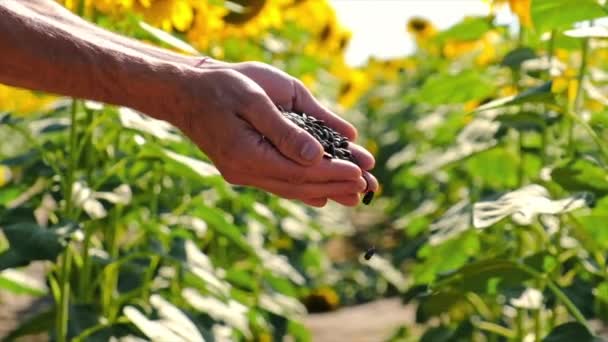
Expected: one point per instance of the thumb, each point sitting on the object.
(292, 141)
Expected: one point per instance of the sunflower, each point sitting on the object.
(354, 83)
(5, 175)
(22, 101)
(167, 14)
(253, 18)
(484, 48)
(311, 16)
(322, 299)
(330, 41)
(421, 28)
(389, 69)
(113, 7)
(207, 25)
(566, 84)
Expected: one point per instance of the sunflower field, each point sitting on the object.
(491, 146)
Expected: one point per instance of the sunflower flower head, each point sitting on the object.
(421, 28)
(5, 175)
(168, 15)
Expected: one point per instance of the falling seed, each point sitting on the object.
(370, 253)
(367, 198)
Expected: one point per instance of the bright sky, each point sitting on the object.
(379, 26)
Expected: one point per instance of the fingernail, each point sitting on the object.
(309, 151)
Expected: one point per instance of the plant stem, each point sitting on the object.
(64, 296)
(495, 329)
(69, 179)
(581, 75)
(85, 272)
(538, 324)
(520, 322)
(575, 105)
(551, 47)
(63, 303)
(522, 158)
(574, 311)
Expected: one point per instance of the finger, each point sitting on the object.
(316, 202)
(257, 156)
(365, 160)
(349, 200)
(304, 102)
(292, 141)
(372, 182)
(304, 191)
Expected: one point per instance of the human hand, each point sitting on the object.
(230, 117)
(291, 94)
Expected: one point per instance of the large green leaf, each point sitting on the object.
(468, 29)
(496, 168)
(20, 284)
(516, 57)
(559, 14)
(485, 276)
(459, 88)
(29, 242)
(540, 94)
(439, 303)
(448, 256)
(218, 223)
(581, 175)
(568, 332)
(594, 224)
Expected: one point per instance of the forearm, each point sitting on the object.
(39, 53)
(58, 13)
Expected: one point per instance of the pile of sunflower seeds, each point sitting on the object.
(334, 144)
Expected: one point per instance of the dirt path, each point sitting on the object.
(371, 322)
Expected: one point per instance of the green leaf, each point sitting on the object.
(39, 323)
(440, 303)
(298, 331)
(26, 158)
(559, 14)
(540, 94)
(516, 57)
(218, 223)
(581, 174)
(496, 168)
(568, 332)
(29, 242)
(9, 193)
(542, 262)
(471, 28)
(523, 121)
(485, 276)
(593, 225)
(443, 89)
(445, 257)
(17, 286)
(601, 292)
